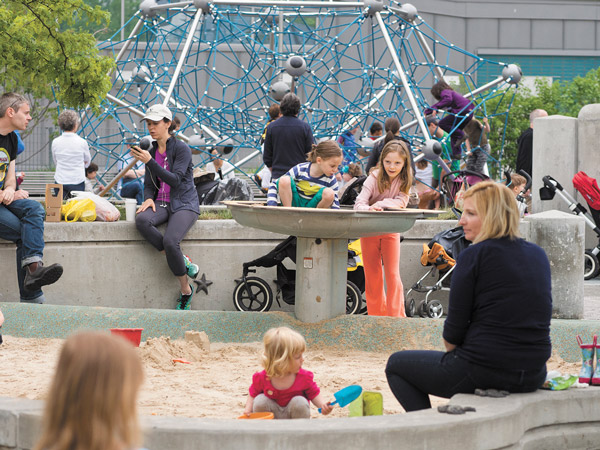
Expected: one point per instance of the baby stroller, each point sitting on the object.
(454, 184)
(588, 188)
(440, 254)
(255, 294)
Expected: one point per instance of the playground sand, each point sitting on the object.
(215, 382)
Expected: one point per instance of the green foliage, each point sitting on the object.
(113, 8)
(564, 98)
(48, 53)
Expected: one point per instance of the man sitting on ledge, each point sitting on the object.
(21, 219)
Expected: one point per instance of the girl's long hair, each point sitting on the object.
(383, 180)
(280, 346)
(92, 400)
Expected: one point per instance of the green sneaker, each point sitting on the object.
(184, 302)
(192, 269)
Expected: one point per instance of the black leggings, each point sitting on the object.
(178, 224)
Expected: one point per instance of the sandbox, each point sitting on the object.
(341, 351)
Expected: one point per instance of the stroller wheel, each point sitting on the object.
(409, 306)
(353, 298)
(257, 297)
(435, 310)
(591, 267)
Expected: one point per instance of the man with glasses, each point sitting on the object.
(21, 219)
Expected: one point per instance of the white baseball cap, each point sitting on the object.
(158, 112)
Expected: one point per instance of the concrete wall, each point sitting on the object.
(534, 27)
(540, 420)
(109, 264)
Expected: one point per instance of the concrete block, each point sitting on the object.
(555, 154)
(588, 157)
(562, 236)
(12, 418)
(30, 426)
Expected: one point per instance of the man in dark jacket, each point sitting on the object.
(525, 143)
(288, 139)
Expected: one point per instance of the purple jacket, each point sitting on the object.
(453, 102)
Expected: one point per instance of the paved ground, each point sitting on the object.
(591, 306)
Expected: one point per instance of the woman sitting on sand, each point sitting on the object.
(497, 333)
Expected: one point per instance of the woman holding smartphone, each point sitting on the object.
(169, 197)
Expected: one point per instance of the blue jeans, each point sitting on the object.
(22, 222)
(413, 375)
(133, 189)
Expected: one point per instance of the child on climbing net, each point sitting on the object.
(460, 113)
(284, 387)
(310, 184)
(386, 186)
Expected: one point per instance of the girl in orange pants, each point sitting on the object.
(376, 249)
(387, 186)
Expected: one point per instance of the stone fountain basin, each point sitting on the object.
(325, 223)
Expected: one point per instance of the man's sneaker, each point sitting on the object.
(192, 269)
(184, 302)
(41, 276)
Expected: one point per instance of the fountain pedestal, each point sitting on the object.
(322, 247)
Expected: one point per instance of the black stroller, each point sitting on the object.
(588, 188)
(255, 294)
(440, 254)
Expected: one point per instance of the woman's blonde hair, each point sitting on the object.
(92, 400)
(324, 150)
(383, 179)
(280, 346)
(497, 209)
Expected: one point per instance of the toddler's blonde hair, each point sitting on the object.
(280, 346)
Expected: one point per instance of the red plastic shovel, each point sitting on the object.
(346, 395)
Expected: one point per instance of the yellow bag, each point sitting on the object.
(79, 209)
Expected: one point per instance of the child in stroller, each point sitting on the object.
(588, 188)
(440, 254)
(254, 294)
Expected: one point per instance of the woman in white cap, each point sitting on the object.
(169, 197)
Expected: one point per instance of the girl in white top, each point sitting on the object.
(71, 154)
(386, 187)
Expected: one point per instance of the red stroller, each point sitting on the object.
(588, 188)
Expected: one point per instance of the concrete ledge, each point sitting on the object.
(540, 420)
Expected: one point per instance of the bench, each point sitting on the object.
(35, 182)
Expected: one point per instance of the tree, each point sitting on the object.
(113, 7)
(560, 97)
(48, 54)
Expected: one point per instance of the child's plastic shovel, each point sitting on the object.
(347, 395)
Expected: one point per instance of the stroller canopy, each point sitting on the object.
(588, 188)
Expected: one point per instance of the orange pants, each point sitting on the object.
(375, 250)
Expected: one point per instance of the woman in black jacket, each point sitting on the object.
(169, 197)
(497, 333)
